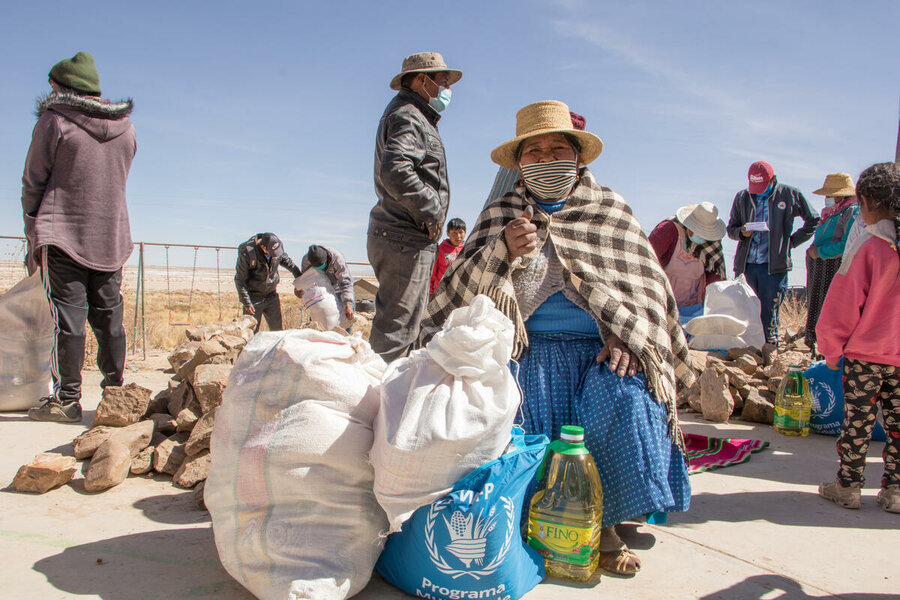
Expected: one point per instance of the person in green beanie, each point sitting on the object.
(76, 226)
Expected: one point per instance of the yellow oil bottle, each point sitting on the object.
(565, 516)
(793, 404)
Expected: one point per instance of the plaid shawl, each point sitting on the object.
(608, 259)
(710, 253)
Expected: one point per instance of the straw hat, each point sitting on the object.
(424, 62)
(549, 116)
(703, 219)
(837, 185)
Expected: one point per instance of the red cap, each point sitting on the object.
(759, 175)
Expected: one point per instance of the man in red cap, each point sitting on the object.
(762, 222)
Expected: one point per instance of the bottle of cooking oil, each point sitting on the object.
(793, 404)
(566, 513)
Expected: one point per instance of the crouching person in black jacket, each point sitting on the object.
(256, 278)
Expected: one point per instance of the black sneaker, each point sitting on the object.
(53, 410)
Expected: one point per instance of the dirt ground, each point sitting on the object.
(754, 531)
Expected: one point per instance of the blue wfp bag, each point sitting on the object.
(469, 543)
(827, 388)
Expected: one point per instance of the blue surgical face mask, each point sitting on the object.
(829, 202)
(440, 102)
(697, 239)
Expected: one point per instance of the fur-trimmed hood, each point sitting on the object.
(103, 119)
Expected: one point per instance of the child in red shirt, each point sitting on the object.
(447, 251)
(860, 321)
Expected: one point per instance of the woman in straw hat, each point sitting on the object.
(689, 247)
(823, 259)
(597, 334)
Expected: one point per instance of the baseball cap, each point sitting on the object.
(272, 244)
(759, 175)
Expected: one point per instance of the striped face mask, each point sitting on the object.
(550, 180)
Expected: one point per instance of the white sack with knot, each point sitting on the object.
(445, 410)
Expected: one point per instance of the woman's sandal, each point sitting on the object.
(619, 563)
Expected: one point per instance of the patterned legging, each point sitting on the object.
(865, 385)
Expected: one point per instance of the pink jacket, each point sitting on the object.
(861, 316)
(73, 187)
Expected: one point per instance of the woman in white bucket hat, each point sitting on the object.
(689, 247)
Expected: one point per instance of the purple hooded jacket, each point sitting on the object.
(73, 188)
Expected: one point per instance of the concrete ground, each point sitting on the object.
(754, 531)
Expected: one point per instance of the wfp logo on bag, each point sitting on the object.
(464, 535)
(468, 544)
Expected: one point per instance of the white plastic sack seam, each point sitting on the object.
(319, 299)
(737, 299)
(290, 486)
(445, 410)
(26, 338)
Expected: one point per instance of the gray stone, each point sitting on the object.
(184, 353)
(164, 423)
(209, 384)
(735, 353)
(209, 352)
(45, 472)
(193, 470)
(120, 406)
(179, 398)
(737, 398)
(109, 466)
(143, 462)
(758, 409)
(698, 359)
(187, 418)
(769, 351)
(715, 399)
(135, 437)
(199, 500)
(201, 433)
(784, 360)
(168, 456)
(160, 402)
(772, 384)
(88, 442)
(736, 376)
(747, 363)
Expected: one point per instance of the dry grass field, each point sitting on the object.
(176, 299)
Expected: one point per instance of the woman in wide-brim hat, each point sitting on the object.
(597, 334)
(689, 248)
(823, 258)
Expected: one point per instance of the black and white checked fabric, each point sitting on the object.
(608, 259)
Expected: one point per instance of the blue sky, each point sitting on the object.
(262, 116)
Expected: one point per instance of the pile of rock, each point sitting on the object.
(744, 382)
(133, 432)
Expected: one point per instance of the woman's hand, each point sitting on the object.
(833, 367)
(813, 251)
(621, 360)
(520, 235)
(348, 311)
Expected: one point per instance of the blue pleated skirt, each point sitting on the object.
(642, 471)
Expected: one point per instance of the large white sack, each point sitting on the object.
(319, 299)
(26, 337)
(445, 410)
(737, 298)
(290, 486)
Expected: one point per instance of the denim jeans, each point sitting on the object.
(770, 290)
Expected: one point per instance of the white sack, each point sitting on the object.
(26, 338)
(716, 324)
(737, 299)
(445, 410)
(713, 341)
(319, 299)
(290, 486)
